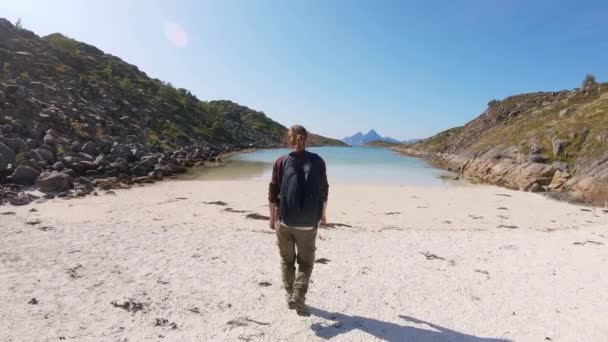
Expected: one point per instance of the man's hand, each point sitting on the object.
(323, 221)
(273, 215)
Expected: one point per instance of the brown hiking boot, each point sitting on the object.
(291, 303)
(297, 301)
(302, 309)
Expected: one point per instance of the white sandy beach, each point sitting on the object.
(461, 263)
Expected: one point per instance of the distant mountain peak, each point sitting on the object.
(359, 138)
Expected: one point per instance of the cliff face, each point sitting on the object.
(554, 142)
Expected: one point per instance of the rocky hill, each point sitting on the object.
(69, 110)
(553, 142)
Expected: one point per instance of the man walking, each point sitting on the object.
(297, 196)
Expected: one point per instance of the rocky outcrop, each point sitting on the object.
(72, 116)
(555, 143)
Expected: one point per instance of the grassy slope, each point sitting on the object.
(534, 119)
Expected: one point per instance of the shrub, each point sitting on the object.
(20, 158)
(19, 24)
(64, 44)
(107, 71)
(492, 102)
(589, 80)
(125, 84)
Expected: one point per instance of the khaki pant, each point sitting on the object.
(296, 245)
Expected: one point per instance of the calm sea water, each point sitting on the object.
(363, 165)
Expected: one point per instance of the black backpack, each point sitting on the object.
(300, 198)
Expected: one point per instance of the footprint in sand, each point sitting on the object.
(392, 213)
(220, 203)
(230, 210)
(588, 241)
(504, 226)
(322, 261)
(486, 273)
(130, 306)
(73, 272)
(474, 217)
(265, 283)
(431, 256)
(502, 208)
(162, 322)
(256, 216)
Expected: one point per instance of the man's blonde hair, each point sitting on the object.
(297, 136)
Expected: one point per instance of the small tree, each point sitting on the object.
(589, 80)
(18, 24)
(492, 102)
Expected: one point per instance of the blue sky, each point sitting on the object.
(406, 68)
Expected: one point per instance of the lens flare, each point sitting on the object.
(176, 34)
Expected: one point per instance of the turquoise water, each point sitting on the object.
(363, 165)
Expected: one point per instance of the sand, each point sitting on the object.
(161, 262)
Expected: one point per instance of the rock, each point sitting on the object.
(536, 188)
(76, 146)
(558, 180)
(121, 151)
(21, 199)
(536, 149)
(562, 166)
(3, 163)
(535, 158)
(25, 175)
(102, 160)
(7, 152)
(58, 166)
(140, 171)
(558, 146)
(45, 154)
(17, 145)
(90, 148)
(83, 184)
(165, 170)
(49, 139)
(70, 172)
(55, 182)
(149, 161)
(121, 166)
(76, 157)
(143, 179)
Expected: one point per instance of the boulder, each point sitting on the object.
(3, 163)
(58, 166)
(76, 146)
(90, 148)
(536, 188)
(7, 153)
(25, 175)
(558, 146)
(121, 151)
(45, 154)
(76, 157)
(537, 158)
(17, 145)
(55, 182)
(22, 199)
(49, 139)
(140, 170)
